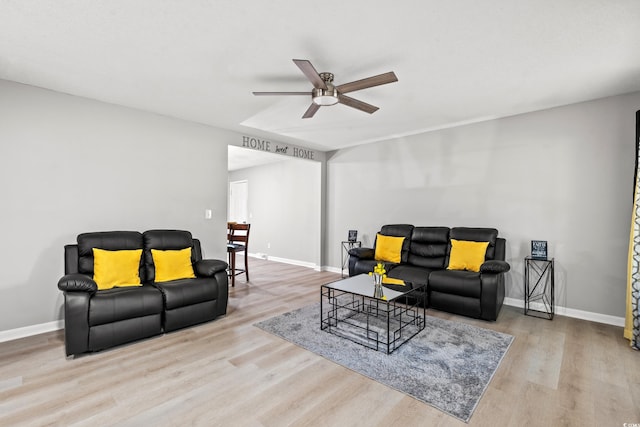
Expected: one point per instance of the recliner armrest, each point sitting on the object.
(362, 253)
(495, 266)
(209, 267)
(77, 283)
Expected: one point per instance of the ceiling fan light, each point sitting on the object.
(325, 100)
(324, 97)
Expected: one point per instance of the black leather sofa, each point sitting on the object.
(99, 319)
(424, 259)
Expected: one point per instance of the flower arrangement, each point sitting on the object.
(379, 269)
(378, 273)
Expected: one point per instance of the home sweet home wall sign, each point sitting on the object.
(279, 148)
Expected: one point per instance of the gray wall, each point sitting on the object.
(70, 165)
(285, 209)
(564, 175)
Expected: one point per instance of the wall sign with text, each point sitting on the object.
(280, 148)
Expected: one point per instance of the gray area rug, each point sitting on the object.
(448, 365)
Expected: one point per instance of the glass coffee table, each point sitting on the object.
(349, 309)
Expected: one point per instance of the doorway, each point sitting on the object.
(285, 195)
(238, 201)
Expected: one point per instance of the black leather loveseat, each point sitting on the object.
(424, 258)
(96, 319)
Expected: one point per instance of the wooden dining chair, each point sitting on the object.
(237, 241)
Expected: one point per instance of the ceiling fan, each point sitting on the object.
(324, 92)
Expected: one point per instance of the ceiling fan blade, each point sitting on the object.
(381, 79)
(358, 105)
(313, 108)
(281, 93)
(311, 73)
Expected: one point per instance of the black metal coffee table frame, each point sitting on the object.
(403, 320)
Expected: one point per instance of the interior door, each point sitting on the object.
(238, 201)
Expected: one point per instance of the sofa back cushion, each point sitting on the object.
(165, 240)
(399, 230)
(107, 240)
(429, 247)
(475, 235)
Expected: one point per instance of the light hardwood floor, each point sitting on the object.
(230, 373)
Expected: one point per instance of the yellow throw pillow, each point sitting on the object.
(388, 248)
(116, 268)
(466, 255)
(172, 265)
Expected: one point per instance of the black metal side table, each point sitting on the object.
(346, 246)
(539, 284)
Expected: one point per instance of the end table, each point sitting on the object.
(539, 283)
(346, 246)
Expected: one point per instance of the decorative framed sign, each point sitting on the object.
(539, 249)
(353, 235)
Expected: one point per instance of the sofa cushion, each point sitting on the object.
(116, 268)
(388, 248)
(363, 266)
(410, 273)
(108, 240)
(164, 240)
(183, 292)
(466, 255)
(172, 264)
(117, 304)
(167, 239)
(456, 282)
(429, 247)
(477, 235)
(399, 230)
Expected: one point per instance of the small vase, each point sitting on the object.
(377, 286)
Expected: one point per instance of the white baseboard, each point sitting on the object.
(570, 312)
(27, 331)
(285, 260)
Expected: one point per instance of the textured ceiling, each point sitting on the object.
(456, 61)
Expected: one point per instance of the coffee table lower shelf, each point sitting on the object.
(368, 321)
